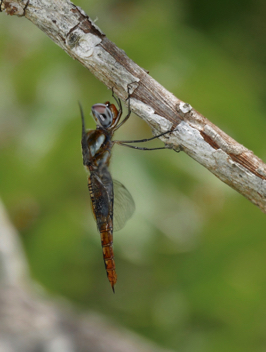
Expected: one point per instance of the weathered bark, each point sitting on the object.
(69, 27)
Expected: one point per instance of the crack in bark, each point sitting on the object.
(86, 24)
(209, 140)
(25, 8)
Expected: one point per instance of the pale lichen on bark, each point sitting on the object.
(69, 27)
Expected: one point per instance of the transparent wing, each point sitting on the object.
(124, 205)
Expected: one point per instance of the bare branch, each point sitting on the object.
(69, 27)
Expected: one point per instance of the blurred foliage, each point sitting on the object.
(191, 262)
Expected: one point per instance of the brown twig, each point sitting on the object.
(69, 27)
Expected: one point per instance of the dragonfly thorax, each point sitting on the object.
(95, 143)
(99, 148)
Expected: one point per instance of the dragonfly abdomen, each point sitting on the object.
(108, 253)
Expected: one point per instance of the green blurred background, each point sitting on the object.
(191, 262)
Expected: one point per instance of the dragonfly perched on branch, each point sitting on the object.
(112, 204)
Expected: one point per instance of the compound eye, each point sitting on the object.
(102, 115)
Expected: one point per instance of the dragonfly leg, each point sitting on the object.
(124, 143)
(128, 113)
(118, 101)
(177, 149)
(140, 148)
(146, 139)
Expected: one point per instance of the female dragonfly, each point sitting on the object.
(112, 204)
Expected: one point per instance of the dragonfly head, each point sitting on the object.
(102, 115)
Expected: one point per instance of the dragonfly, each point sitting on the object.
(112, 204)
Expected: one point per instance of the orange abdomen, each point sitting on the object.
(108, 253)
